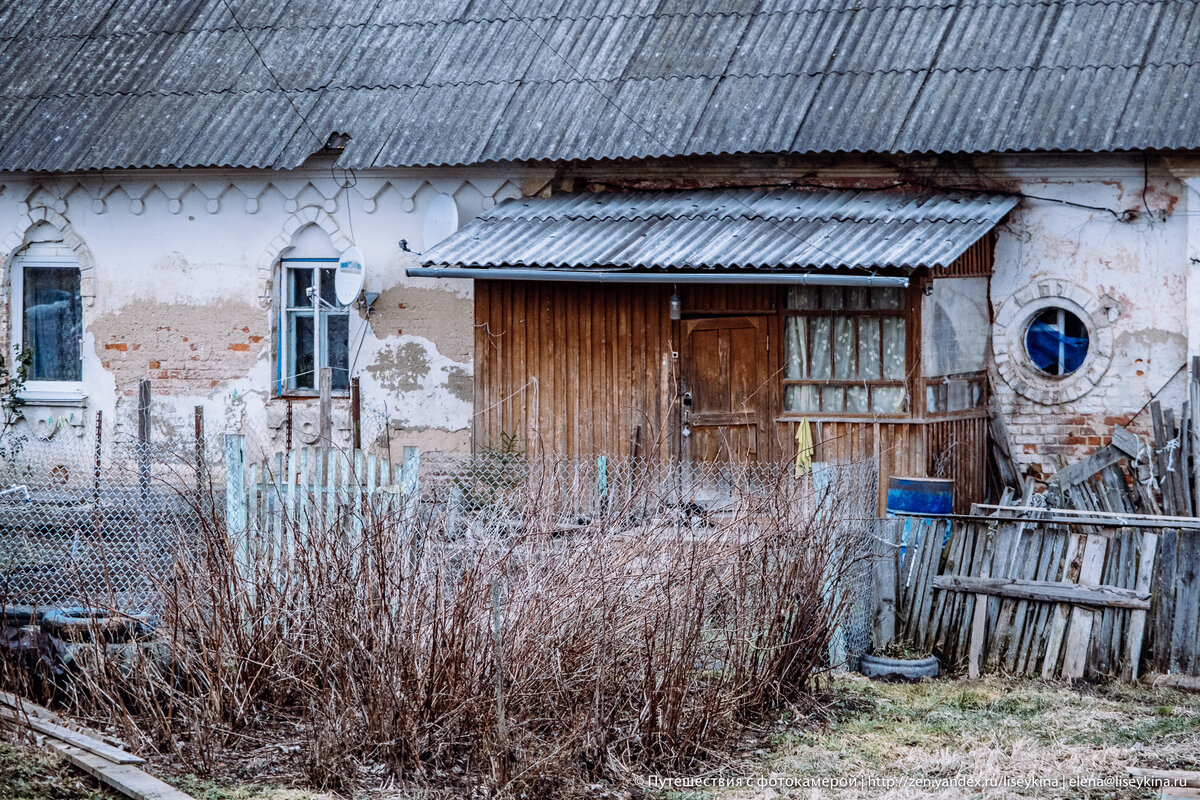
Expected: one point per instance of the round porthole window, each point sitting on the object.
(1056, 341)
(1052, 341)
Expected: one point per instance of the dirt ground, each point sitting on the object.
(29, 773)
(943, 739)
(955, 738)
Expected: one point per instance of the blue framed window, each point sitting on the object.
(1056, 341)
(301, 279)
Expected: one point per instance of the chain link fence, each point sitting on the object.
(85, 522)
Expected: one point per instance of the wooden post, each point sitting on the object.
(235, 484)
(412, 466)
(979, 612)
(1137, 619)
(885, 571)
(326, 409)
(1079, 635)
(201, 465)
(355, 417)
(144, 437)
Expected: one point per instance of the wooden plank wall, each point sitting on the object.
(579, 369)
(905, 448)
(572, 368)
(977, 261)
(957, 448)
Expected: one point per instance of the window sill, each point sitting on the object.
(302, 395)
(62, 399)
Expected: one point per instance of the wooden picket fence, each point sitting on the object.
(1048, 593)
(273, 499)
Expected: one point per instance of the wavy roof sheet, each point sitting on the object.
(87, 84)
(734, 229)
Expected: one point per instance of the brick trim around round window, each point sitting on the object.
(1008, 342)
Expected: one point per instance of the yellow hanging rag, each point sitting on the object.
(804, 448)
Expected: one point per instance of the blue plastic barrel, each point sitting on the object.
(931, 497)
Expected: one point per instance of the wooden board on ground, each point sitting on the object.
(110, 765)
(126, 779)
(87, 743)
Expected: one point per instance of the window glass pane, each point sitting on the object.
(802, 297)
(337, 349)
(801, 398)
(327, 292)
(889, 297)
(300, 281)
(932, 400)
(856, 297)
(52, 322)
(887, 399)
(1056, 341)
(832, 398)
(956, 325)
(796, 348)
(868, 348)
(831, 298)
(300, 352)
(893, 348)
(818, 339)
(843, 348)
(856, 399)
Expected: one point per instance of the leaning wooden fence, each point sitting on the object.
(1037, 592)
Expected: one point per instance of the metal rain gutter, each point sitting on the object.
(597, 276)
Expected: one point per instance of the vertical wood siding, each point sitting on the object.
(580, 369)
(572, 368)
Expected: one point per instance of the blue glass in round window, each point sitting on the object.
(1056, 341)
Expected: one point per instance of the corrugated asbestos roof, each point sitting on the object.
(88, 84)
(737, 228)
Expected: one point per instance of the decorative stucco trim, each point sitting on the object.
(309, 215)
(39, 215)
(1008, 344)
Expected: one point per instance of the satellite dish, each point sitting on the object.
(351, 272)
(441, 219)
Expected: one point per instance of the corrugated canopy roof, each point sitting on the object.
(137, 83)
(733, 229)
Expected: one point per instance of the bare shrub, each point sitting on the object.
(546, 634)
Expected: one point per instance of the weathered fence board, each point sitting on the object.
(274, 503)
(1031, 592)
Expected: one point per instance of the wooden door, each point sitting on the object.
(725, 393)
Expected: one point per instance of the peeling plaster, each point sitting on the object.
(401, 368)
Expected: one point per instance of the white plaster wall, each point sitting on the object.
(179, 270)
(1133, 264)
(177, 254)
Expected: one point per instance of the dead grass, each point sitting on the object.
(994, 738)
(30, 774)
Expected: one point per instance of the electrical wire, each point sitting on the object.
(271, 72)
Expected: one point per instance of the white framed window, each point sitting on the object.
(301, 278)
(47, 318)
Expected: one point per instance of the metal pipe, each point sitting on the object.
(598, 276)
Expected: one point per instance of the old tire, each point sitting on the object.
(898, 669)
(85, 624)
